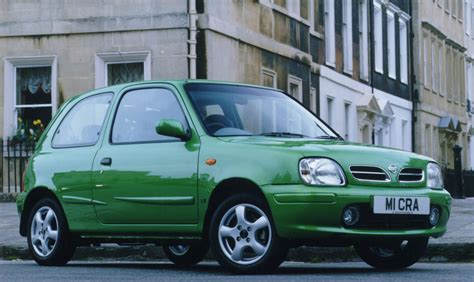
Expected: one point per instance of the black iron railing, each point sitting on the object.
(14, 161)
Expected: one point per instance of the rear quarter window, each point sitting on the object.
(83, 123)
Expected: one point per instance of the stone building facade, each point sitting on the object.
(348, 61)
(365, 79)
(442, 120)
(469, 44)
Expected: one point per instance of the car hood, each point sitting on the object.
(345, 153)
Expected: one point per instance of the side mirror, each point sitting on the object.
(172, 128)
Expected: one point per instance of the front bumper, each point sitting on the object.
(314, 213)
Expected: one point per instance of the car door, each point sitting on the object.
(74, 144)
(139, 176)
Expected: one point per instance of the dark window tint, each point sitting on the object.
(83, 123)
(139, 112)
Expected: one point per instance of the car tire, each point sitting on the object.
(243, 237)
(393, 255)
(186, 255)
(49, 239)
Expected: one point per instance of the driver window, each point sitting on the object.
(140, 110)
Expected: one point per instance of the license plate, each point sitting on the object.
(401, 205)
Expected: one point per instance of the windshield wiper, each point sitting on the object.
(283, 134)
(328, 137)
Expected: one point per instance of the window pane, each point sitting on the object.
(83, 123)
(33, 85)
(139, 112)
(28, 127)
(123, 73)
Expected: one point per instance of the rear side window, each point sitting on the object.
(83, 123)
(140, 110)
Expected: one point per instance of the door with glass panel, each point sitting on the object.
(140, 176)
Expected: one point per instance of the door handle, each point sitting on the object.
(106, 161)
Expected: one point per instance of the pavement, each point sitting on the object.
(456, 245)
(210, 271)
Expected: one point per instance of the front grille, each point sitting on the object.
(369, 220)
(369, 173)
(411, 175)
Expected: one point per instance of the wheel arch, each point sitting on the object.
(227, 188)
(35, 195)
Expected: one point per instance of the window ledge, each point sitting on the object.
(456, 102)
(291, 15)
(450, 100)
(332, 65)
(349, 72)
(316, 34)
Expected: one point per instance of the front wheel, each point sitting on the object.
(49, 239)
(243, 237)
(396, 254)
(186, 255)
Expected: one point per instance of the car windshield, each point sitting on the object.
(231, 110)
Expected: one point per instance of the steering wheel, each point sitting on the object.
(216, 122)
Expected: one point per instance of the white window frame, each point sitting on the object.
(330, 110)
(392, 68)
(467, 17)
(404, 134)
(347, 119)
(293, 8)
(469, 81)
(378, 37)
(441, 66)
(472, 19)
(329, 33)
(460, 10)
(447, 4)
(434, 65)
(449, 72)
(403, 32)
(313, 99)
(9, 87)
(363, 40)
(454, 9)
(296, 81)
(103, 59)
(347, 35)
(426, 71)
(269, 72)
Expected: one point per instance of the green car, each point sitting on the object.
(243, 170)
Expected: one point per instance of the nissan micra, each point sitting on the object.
(243, 170)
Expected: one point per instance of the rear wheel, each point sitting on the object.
(185, 255)
(49, 239)
(243, 237)
(396, 254)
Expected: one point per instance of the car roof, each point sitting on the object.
(117, 88)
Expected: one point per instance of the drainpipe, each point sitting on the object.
(192, 56)
(414, 95)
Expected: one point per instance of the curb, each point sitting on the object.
(435, 253)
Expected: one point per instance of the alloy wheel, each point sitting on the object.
(179, 250)
(244, 234)
(44, 231)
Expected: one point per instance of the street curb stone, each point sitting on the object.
(435, 253)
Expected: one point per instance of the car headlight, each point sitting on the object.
(321, 171)
(435, 177)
